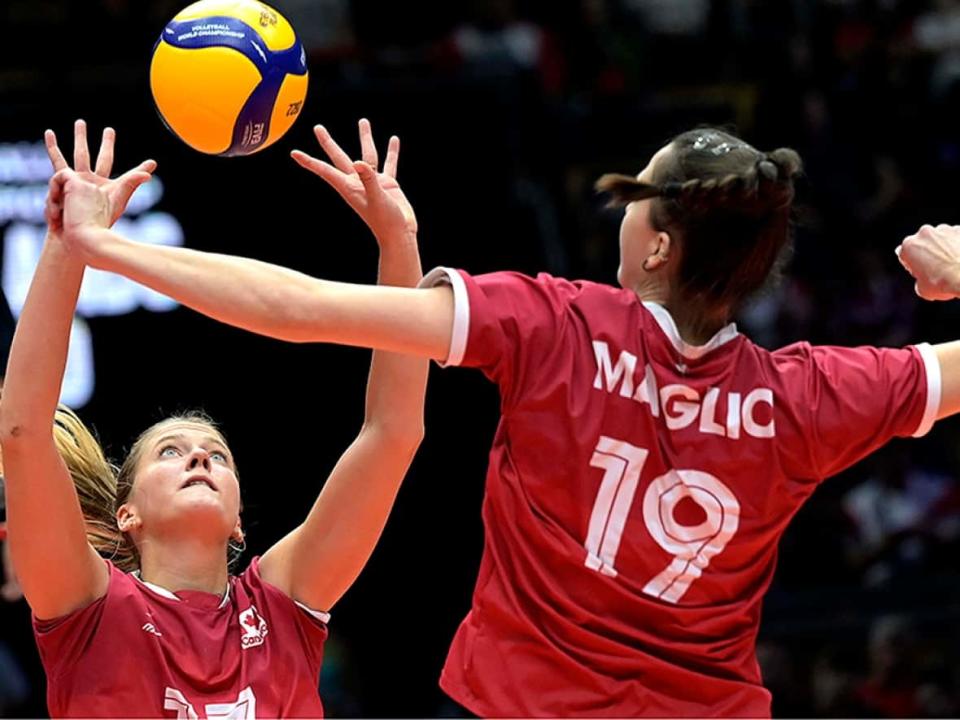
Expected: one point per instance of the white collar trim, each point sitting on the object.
(162, 591)
(692, 352)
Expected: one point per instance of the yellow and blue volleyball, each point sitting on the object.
(228, 77)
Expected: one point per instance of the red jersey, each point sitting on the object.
(637, 489)
(141, 651)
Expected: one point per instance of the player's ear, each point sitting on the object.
(661, 249)
(127, 518)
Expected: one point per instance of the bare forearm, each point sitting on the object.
(397, 383)
(256, 296)
(321, 558)
(38, 355)
(400, 264)
(285, 304)
(58, 569)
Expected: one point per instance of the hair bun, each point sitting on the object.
(788, 163)
(767, 169)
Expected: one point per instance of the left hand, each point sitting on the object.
(117, 192)
(375, 196)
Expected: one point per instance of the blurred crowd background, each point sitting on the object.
(508, 110)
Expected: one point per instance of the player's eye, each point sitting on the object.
(219, 456)
(169, 451)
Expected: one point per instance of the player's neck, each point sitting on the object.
(652, 288)
(694, 325)
(184, 565)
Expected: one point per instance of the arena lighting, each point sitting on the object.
(24, 174)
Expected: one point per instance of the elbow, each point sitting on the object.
(299, 328)
(301, 317)
(13, 430)
(402, 438)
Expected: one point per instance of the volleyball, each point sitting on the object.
(228, 77)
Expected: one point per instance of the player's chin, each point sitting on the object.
(208, 508)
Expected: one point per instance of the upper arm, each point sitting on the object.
(57, 568)
(319, 560)
(857, 399)
(507, 324)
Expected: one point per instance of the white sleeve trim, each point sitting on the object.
(321, 616)
(931, 366)
(461, 311)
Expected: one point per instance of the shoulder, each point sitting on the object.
(794, 353)
(250, 588)
(252, 584)
(123, 595)
(509, 285)
(823, 356)
(581, 288)
(541, 282)
(558, 293)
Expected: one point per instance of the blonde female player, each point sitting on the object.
(648, 457)
(180, 636)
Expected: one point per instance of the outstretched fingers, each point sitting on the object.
(105, 154)
(81, 151)
(368, 176)
(393, 156)
(338, 180)
(337, 156)
(57, 159)
(368, 149)
(318, 167)
(127, 184)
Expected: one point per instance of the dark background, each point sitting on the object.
(508, 110)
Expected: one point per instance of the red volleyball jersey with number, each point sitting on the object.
(636, 492)
(142, 651)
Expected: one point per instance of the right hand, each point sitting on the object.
(375, 196)
(932, 257)
(117, 192)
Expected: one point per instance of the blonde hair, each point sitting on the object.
(95, 480)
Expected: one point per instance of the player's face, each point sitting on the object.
(186, 481)
(638, 237)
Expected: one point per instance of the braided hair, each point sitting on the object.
(729, 207)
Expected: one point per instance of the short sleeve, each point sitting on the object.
(311, 624)
(859, 398)
(63, 641)
(505, 323)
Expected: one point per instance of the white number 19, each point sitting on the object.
(692, 546)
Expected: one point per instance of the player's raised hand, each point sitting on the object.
(374, 194)
(932, 257)
(118, 190)
(88, 208)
